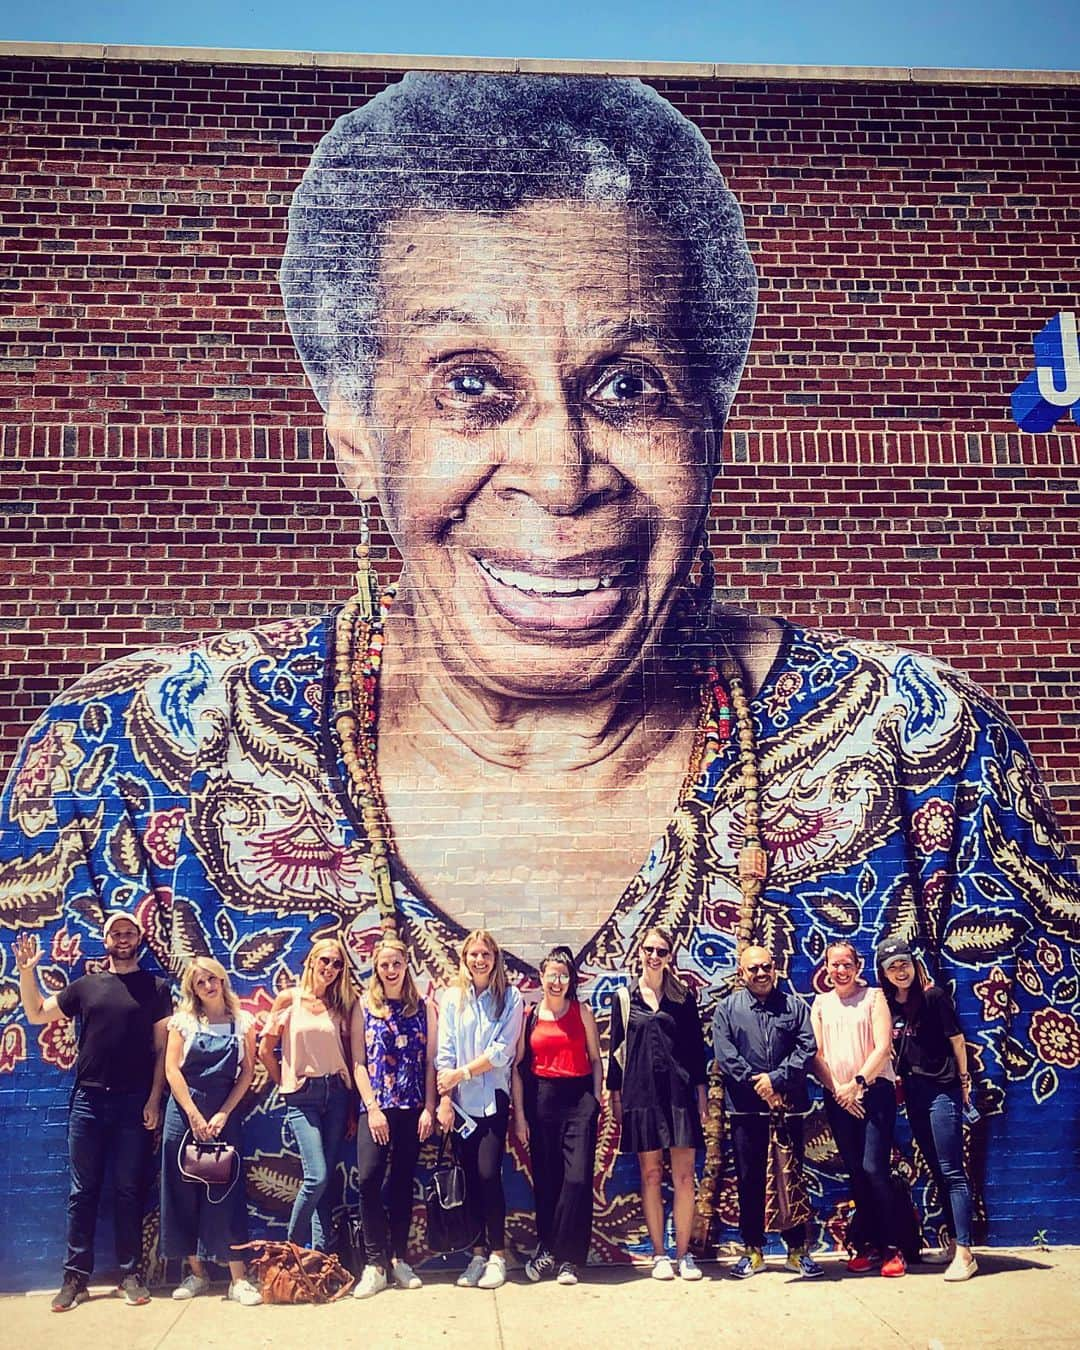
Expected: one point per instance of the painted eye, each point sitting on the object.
(628, 389)
(475, 393)
(468, 383)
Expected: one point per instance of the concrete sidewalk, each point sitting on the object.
(1019, 1298)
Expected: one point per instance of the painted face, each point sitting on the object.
(758, 971)
(480, 961)
(535, 439)
(655, 953)
(555, 979)
(900, 972)
(842, 968)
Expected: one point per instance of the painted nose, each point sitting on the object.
(551, 458)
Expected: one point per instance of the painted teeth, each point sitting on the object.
(534, 585)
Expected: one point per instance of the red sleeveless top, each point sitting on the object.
(559, 1049)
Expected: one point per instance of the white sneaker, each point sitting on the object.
(404, 1275)
(689, 1268)
(494, 1276)
(244, 1293)
(961, 1269)
(192, 1287)
(567, 1274)
(470, 1276)
(662, 1268)
(372, 1281)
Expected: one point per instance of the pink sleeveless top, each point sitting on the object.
(310, 1044)
(847, 1032)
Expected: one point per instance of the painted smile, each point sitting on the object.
(571, 595)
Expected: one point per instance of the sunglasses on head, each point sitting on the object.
(657, 951)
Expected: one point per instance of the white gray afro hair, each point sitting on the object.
(492, 143)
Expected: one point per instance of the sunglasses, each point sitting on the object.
(657, 951)
(762, 969)
(334, 962)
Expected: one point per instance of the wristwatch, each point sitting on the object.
(466, 1073)
(861, 1081)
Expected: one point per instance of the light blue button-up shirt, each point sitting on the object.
(468, 1029)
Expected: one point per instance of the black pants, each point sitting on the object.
(750, 1147)
(386, 1226)
(482, 1157)
(562, 1143)
(865, 1148)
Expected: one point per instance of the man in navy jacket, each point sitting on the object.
(764, 1046)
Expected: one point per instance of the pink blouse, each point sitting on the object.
(847, 1032)
(310, 1044)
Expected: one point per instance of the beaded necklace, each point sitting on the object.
(358, 647)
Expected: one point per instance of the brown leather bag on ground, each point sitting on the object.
(287, 1273)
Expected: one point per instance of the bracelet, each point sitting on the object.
(965, 1078)
(466, 1073)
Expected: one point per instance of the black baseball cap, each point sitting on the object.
(891, 949)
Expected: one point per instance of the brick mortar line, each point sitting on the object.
(712, 70)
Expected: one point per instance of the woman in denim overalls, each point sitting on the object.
(209, 1065)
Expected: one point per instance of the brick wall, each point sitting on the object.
(165, 471)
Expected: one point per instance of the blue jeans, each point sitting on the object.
(865, 1148)
(102, 1125)
(935, 1111)
(317, 1115)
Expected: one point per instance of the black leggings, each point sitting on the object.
(382, 1240)
(481, 1157)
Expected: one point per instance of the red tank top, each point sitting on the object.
(559, 1049)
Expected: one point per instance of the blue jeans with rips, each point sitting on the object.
(317, 1115)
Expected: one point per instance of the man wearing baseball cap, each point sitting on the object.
(122, 1014)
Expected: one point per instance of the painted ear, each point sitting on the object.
(354, 450)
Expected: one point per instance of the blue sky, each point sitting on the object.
(1024, 34)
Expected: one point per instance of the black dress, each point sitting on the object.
(664, 1066)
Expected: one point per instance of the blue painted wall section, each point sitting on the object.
(1053, 387)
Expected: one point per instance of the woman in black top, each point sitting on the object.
(656, 1076)
(931, 1059)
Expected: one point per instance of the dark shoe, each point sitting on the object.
(72, 1292)
(136, 1294)
(540, 1266)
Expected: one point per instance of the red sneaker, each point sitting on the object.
(864, 1261)
(895, 1266)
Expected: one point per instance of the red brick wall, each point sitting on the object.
(164, 469)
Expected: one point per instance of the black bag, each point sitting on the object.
(906, 1221)
(349, 1242)
(450, 1227)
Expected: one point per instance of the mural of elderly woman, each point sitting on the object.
(525, 303)
(209, 1064)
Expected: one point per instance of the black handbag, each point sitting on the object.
(349, 1242)
(450, 1227)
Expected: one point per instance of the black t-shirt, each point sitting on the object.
(116, 1027)
(921, 1043)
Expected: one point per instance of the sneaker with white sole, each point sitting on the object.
(801, 1263)
(136, 1294)
(662, 1268)
(192, 1287)
(244, 1293)
(494, 1276)
(567, 1274)
(470, 1276)
(752, 1262)
(961, 1269)
(689, 1268)
(404, 1275)
(371, 1282)
(540, 1265)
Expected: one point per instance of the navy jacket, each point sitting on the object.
(773, 1036)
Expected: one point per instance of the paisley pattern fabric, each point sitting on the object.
(200, 785)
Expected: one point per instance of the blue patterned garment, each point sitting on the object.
(201, 785)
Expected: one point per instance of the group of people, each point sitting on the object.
(463, 1066)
